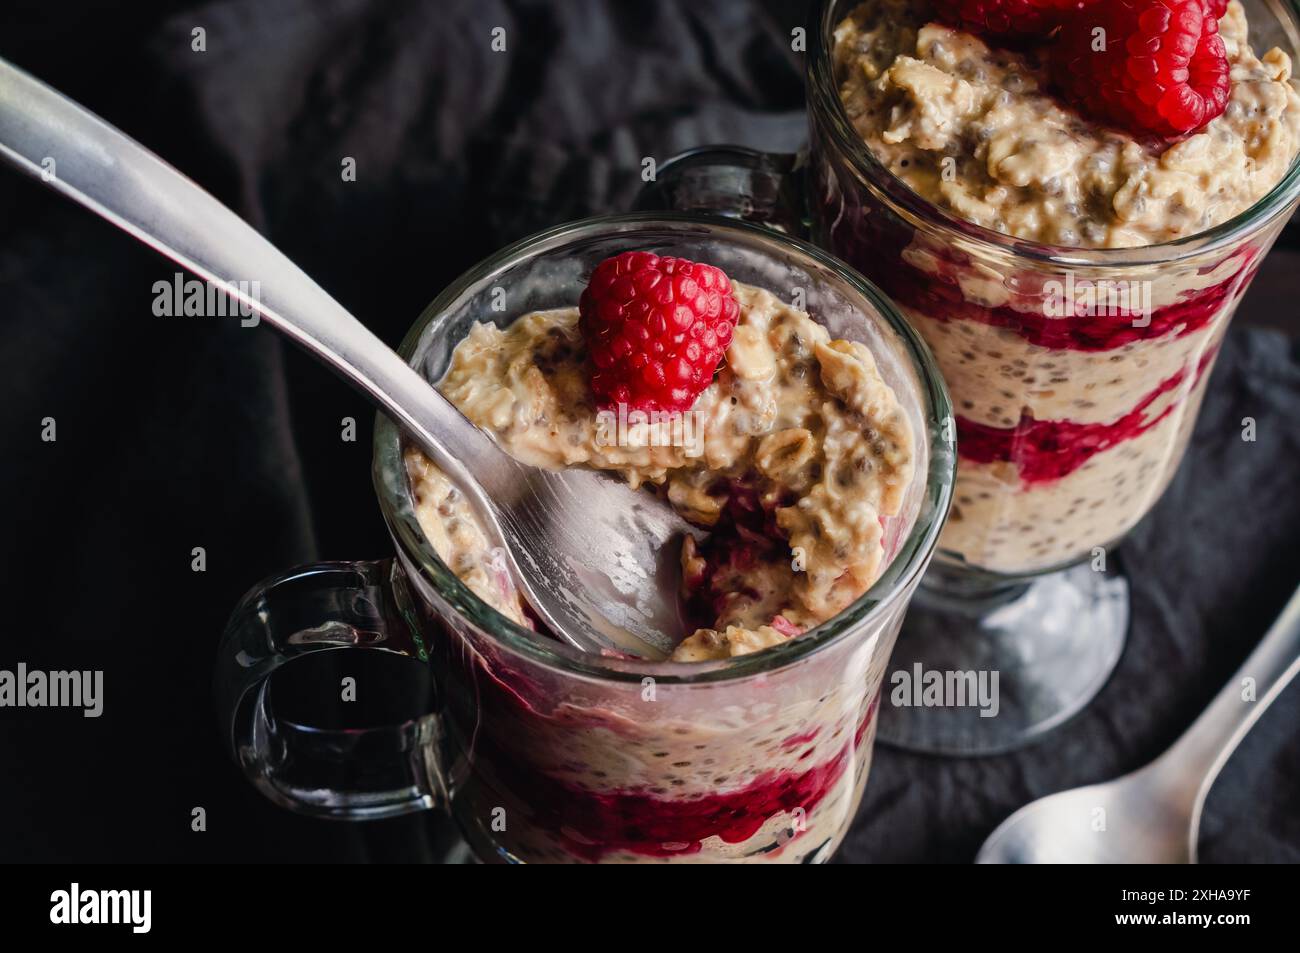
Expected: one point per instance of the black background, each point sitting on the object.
(175, 432)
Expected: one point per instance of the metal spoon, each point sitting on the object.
(1153, 815)
(584, 548)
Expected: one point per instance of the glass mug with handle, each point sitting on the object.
(540, 752)
(1070, 423)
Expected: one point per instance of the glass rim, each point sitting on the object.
(897, 579)
(825, 107)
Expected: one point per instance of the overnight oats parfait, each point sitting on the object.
(1074, 137)
(1067, 199)
(793, 457)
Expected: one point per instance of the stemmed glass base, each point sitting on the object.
(985, 665)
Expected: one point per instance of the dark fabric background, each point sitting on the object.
(175, 433)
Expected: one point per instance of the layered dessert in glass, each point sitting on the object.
(797, 463)
(1076, 370)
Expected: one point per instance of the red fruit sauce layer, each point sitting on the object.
(1045, 450)
(595, 823)
(662, 827)
(940, 297)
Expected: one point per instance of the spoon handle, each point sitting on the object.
(48, 136)
(1197, 757)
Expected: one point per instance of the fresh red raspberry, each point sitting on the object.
(656, 329)
(1163, 69)
(1217, 7)
(1007, 18)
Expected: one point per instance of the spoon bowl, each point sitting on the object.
(1153, 815)
(1124, 821)
(588, 552)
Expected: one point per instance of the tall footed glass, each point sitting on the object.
(1076, 376)
(542, 753)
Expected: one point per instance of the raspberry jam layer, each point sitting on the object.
(510, 713)
(593, 824)
(1046, 450)
(940, 297)
(880, 245)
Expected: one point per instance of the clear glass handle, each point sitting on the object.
(764, 188)
(346, 774)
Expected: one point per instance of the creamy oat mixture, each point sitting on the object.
(997, 525)
(975, 130)
(803, 422)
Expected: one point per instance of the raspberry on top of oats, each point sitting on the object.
(656, 329)
(804, 453)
